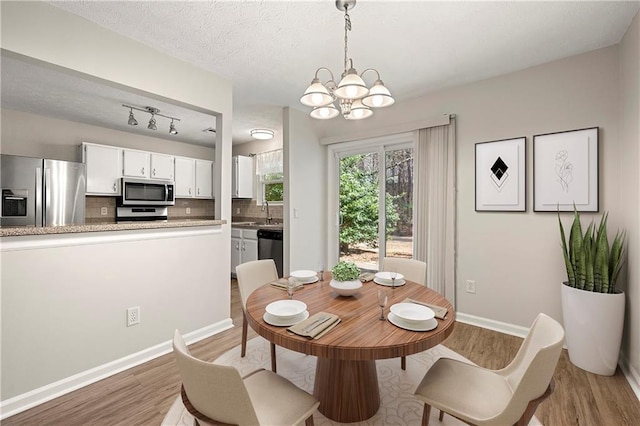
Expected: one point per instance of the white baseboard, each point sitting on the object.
(30, 399)
(502, 327)
(631, 374)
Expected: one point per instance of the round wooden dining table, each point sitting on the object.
(346, 381)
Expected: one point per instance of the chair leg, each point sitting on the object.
(533, 405)
(273, 357)
(309, 421)
(441, 416)
(243, 351)
(425, 415)
(403, 362)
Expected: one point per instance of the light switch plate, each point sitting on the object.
(103, 211)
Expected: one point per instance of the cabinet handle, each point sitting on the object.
(198, 191)
(115, 186)
(189, 191)
(154, 172)
(238, 246)
(142, 171)
(243, 248)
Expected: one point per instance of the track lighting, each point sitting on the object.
(152, 121)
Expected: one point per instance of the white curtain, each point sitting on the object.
(269, 163)
(434, 206)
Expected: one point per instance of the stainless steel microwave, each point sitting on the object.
(147, 192)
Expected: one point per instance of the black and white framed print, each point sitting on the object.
(500, 175)
(565, 171)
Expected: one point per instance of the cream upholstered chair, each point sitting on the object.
(412, 269)
(508, 396)
(216, 393)
(250, 276)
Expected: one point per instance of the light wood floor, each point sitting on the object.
(142, 395)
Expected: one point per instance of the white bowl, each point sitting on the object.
(385, 276)
(412, 312)
(346, 288)
(304, 275)
(286, 309)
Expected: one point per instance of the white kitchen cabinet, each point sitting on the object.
(161, 166)
(135, 163)
(242, 177)
(185, 177)
(244, 246)
(204, 179)
(104, 169)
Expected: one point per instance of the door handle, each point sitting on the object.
(154, 172)
(142, 171)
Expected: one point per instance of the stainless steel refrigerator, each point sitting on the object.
(41, 192)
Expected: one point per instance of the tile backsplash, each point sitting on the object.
(200, 209)
(248, 210)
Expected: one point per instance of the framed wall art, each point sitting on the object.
(565, 171)
(501, 176)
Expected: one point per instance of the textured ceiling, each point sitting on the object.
(271, 49)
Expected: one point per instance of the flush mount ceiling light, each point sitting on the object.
(262, 134)
(354, 98)
(152, 121)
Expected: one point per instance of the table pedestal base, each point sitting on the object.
(347, 390)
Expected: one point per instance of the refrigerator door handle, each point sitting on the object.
(47, 197)
(38, 197)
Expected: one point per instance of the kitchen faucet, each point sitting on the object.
(266, 203)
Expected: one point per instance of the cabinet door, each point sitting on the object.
(249, 250)
(161, 166)
(135, 163)
(104, 169)
(184, 177)
(242, 179)
(204, 179)
(236, 244)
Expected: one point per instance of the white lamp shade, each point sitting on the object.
(378, 96)
(324, 112)
(316, 95)
(262, 134)
(351, 87)
(359, 111)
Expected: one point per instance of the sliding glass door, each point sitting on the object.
(375, 203)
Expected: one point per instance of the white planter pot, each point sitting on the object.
(593, 328)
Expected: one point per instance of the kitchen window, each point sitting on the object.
(270, 177)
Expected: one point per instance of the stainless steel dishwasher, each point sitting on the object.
(270, 246)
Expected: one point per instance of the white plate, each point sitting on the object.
(427, 326)
(304, 275)
(385, 276)
(412, 312)
(286, 309)
(389, 284)
(311, 280)
(279, 322)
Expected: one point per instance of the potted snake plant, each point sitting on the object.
(592, 305)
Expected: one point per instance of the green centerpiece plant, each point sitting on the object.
(345, 271)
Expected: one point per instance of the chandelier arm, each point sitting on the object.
(326, 69)
(370, 69)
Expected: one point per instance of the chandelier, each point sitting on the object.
(352, 95)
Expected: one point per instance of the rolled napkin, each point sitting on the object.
(367, 276)
(316, 326)
(439, 311)
(282, 284)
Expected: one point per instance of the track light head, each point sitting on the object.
(172, 129)
(152, 124)
(132, 120)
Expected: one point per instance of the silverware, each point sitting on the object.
(315, 323)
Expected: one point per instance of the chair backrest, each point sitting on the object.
(530, 372)
(252, 275)
(412, 269)
(217, 391)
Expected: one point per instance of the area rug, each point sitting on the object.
(398, 406)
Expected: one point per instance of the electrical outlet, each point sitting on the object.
(188, 210)
(133, 316)
(471, 286)
(103, 211)
(237, 210)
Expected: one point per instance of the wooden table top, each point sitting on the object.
(361, 335)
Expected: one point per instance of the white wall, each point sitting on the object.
(256, 147)
(61, 139)
(630, 184)
(305, 193)
(516, 257)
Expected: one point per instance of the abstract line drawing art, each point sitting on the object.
(500, 175)
(565, 171)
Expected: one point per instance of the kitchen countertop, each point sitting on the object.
(256, 225)
(32, 230)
